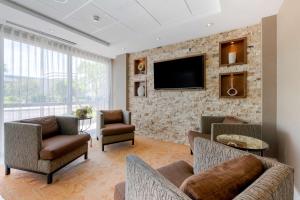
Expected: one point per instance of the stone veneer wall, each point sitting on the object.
(168, 115)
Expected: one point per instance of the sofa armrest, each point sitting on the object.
(68, 125)
(206, 122)
(253, 130)
(127, 117)
(22, 145)
(276, 183)
(143, 182)
(208, 154)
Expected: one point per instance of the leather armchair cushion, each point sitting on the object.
(176, 173)
(112, 116)
(117, 129)
(60, 145)
(49, 125)
(224, 181)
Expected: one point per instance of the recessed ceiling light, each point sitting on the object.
(209, 24)
(61, 1)
(96, 18)
(158, 38)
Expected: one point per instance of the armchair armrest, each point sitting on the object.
(276, 183)
(99, 122)
(143, 182)
(127, 117)
(253, 130)
(208, 154)
(22, 145)
(68, 125)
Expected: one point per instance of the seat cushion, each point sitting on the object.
(49, 125)
(193, 134)
(224, 181)
(176, 173)
(57, 146)
(112, 116)
(117, 129)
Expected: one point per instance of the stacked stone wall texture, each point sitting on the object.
(169, 114)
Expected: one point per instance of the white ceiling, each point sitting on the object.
(134, 25)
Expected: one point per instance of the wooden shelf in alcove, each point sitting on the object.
(141, 62)
(136, 86)
(239, 83)
(237, 45)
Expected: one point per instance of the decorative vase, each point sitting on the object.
(141, 91)
(231, 57)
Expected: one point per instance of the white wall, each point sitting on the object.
(288, 86)
(119, 82)
(269, 76)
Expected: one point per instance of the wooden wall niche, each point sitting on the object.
(137, 85)
(140, 66)
(234, 83)
(237, 45)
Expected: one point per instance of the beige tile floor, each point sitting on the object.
(94, 178)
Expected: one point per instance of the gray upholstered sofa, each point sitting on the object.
(114, 126)
(143, 182)
(43, 145)
(212, 126)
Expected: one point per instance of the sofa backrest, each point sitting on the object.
(49, 125)
(112, 116)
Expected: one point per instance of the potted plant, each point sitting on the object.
(83, 112)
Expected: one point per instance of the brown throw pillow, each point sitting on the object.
(49, 125)
(112, 116)
(224, 181)
(232, 120)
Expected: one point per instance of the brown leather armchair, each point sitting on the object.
(114, 126)
(43, 145)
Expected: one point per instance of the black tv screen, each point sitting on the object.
(188, 73)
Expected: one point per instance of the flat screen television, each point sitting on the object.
(182, 73)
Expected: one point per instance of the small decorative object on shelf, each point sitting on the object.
(232, 91)
(140, 66)
(233, 52)
(233, 85)
(231, 57)
(140, 89)
(84, 112)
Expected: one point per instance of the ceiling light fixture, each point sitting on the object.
(96, 18)
(209, 24)
(61, 1)
(158, 38)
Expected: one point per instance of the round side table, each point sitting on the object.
(243, 142)
(82, 128)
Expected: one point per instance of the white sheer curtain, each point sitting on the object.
(35, 81)
(42, 77)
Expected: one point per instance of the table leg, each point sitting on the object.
(262, 153)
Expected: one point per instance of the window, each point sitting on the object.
(41, 82)
(90, 83)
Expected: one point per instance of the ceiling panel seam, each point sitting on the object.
(148, 12)
(188, 7)
(77, 9)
